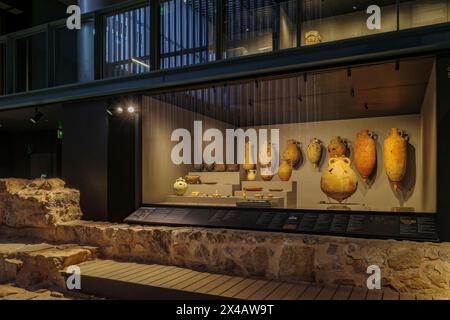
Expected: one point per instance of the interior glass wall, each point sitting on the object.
(359, 138)
(187, 32)
(127, 45)
(257, 26)
(66, 56)
(325, 21)
(420, 13)
(31, 63)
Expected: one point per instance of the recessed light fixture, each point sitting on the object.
(119, 109)
(131, 109)
(37, 117)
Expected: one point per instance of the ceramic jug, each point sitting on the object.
(339, 181)
(251, 174)
(180, 187)
(315, 152)
(365, 154)
(337, 147)
(395, 156)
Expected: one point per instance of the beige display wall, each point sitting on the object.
(159, 120)
(418, 189)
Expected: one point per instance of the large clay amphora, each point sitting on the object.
(395, 156)
(339, 181)
(337, 147)
(315, 152)
(250, 162)
(285, 171)
(292, 153)
(365, 154)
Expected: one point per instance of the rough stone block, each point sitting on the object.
(37, 203)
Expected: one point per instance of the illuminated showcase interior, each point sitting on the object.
(321, 105)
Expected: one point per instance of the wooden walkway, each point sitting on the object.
(124, 280)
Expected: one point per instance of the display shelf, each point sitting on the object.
(224, 178)
(222, 189)
(288, 193)
(286, 186)
(276, 202)
(289, 198)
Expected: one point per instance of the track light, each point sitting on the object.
(109, 111)
(37, 117)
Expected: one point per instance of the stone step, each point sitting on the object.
(32, 264)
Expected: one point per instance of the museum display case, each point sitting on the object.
(368, 131)
(359, 138)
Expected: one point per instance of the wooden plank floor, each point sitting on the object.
(125, 280)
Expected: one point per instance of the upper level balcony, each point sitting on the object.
(138, 37)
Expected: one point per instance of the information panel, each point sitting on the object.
(413, 227)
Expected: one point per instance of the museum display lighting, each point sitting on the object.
(37, 117)
(140, 63)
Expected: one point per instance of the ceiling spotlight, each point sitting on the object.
(37, 117)
(119, 109)
(131, 110)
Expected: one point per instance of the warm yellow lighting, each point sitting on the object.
(140, 62)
